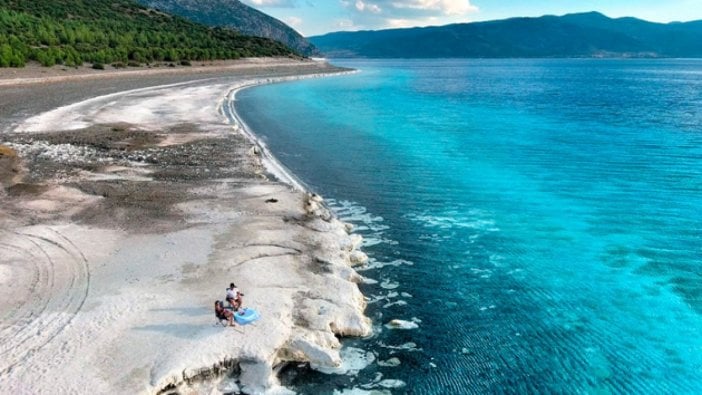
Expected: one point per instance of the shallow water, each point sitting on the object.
(539, 220)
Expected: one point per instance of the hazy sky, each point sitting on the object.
(313, 17)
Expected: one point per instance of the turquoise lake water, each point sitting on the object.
(539, 220)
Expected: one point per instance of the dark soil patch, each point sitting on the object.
(120, 137)
(137, 206)
(142, 206)
(207, 159)
(22, 189)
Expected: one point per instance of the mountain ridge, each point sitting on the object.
(590, 34)
(235, 15)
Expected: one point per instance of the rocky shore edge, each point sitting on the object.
(159, 218)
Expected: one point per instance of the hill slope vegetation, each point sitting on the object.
(72, 32)
(575, 35)
(235, 15)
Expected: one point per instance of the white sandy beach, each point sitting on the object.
(114, 250)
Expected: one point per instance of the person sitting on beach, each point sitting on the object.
(234, 297)
(223, 314)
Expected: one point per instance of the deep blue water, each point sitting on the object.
(541, 220)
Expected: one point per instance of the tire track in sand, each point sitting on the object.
(54, 274)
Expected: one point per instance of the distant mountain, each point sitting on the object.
(235, 15)
(575, 35)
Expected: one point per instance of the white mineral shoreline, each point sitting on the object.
(103, 308)
(271, 163)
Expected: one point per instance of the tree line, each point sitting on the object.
(73, 32)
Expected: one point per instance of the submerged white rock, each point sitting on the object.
(390, 383)
(401, 324)
(353, 360)
(392, 362)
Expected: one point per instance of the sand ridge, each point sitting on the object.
(34, 74)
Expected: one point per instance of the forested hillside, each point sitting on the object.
(236, 15)
(72, 32)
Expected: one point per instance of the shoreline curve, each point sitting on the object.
(185, 222)
(272, 164)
